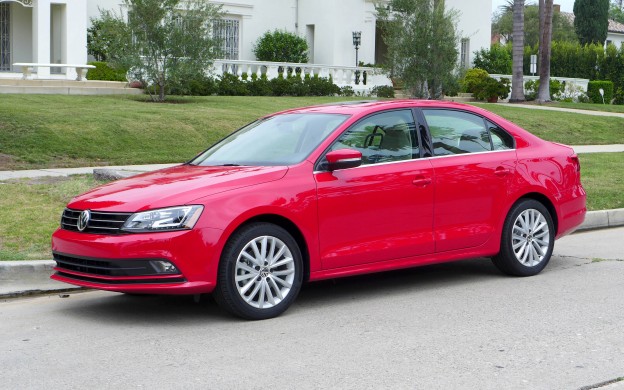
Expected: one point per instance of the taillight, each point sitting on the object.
(575, 160)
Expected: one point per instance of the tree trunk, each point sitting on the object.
(545, 38)
(517, 80)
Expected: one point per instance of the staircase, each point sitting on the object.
(66, 87)
(461, 98)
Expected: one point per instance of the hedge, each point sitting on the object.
(593, 91)
(104, 72)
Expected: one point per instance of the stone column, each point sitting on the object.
(41, 36)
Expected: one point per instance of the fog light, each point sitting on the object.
(164, 267)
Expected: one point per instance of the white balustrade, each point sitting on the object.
(341, 75)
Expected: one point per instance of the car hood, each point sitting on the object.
(174, 186)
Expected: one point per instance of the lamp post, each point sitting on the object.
(357, 40)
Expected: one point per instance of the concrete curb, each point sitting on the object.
(31, 277)
(602, 219)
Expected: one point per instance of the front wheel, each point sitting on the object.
(527, 241)
(260, 273)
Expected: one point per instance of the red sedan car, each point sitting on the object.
(324, 192)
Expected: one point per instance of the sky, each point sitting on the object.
(566, 5)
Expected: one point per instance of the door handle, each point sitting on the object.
(501, 171)
(421, 181)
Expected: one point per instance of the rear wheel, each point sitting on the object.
(260, 272)
(527, 241)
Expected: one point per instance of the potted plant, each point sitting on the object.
(491, 90)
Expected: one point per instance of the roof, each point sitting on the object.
(614, 27)
(357, 107)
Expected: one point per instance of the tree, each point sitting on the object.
(98, 45)
(161, 41)
(591, 20)
(616, 11)
(562, 28)
(546, 17)
(281, 46)
(422, 44)
(517, 80)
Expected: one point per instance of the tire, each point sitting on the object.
(527, 241)
(252, 283)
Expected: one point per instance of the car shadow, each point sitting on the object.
(183, 310)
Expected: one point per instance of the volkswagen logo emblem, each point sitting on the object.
(83, 220)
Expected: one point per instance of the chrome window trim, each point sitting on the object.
(421, 159)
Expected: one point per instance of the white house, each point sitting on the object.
(54, 31)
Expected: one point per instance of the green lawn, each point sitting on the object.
(30, 209)
(69, 131)
(563, 127)
(602, 175)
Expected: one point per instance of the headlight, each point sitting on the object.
(162, 220)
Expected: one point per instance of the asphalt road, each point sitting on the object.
(451, 326)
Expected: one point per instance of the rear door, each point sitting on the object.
(474, 163)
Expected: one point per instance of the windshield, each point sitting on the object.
(278, 140)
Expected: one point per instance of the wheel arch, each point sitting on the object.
(543, 199)
(291, 228)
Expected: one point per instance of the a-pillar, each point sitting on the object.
(41, 36)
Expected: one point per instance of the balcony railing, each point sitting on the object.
(360, 78)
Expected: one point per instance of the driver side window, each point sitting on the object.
(385, 137)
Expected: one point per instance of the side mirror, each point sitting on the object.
(343, 159)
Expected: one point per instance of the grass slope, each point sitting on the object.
(40, 131)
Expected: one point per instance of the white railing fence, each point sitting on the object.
(360, 78)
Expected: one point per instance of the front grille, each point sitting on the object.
(129, 271)
(99, 223)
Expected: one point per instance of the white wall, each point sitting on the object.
(333, 20)
(616, 38)
(21, 34)
(474, 22)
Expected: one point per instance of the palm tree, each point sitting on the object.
(517, 80)
(546, 17)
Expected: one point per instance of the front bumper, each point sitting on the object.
(121, 262)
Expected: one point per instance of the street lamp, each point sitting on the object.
(357, 40)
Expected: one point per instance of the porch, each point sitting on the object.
(43, 32)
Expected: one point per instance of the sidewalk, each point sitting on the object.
(561, 109)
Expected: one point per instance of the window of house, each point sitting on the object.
(5, 37)
(465, 53)
(385, 137)
(227, 31)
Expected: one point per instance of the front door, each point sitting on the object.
(382, 210)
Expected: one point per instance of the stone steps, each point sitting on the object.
(66, 87)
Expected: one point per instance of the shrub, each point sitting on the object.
(231, 85)
(200, 85)
(104, 72)
(495, 60)
(321, 86)
(259, 86)
(593, 91)
(474, 78)
(383, 91)
(281, 46)
(347, 91)
(491, 88)
(531, 88)
(619, 96)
